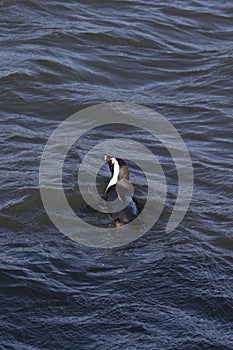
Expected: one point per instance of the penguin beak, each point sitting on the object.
(107, 158)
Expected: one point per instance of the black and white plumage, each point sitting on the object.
(119, 193)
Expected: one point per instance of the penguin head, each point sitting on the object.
(118, 167)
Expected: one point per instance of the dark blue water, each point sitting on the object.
(163, 291)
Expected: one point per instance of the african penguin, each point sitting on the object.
(119, 193)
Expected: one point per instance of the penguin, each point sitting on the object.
(119, 193)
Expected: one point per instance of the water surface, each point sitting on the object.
(162, 291)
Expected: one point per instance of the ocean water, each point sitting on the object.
(162, 291)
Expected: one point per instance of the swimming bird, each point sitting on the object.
(119, 193)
